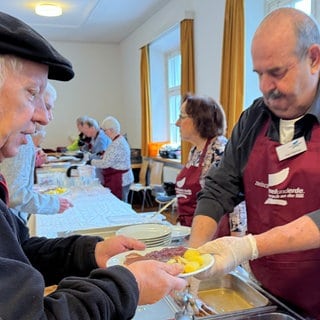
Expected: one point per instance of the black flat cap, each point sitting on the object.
(19, 39)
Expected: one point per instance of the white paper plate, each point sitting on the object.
(145, 231)
(120, 258)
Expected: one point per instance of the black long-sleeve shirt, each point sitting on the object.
(224, 188)
(84, 291)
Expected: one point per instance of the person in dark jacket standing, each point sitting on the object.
(86, 288)
(272, 159)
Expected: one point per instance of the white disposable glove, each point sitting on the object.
(229, 252)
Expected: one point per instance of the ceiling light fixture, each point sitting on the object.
(48, 10)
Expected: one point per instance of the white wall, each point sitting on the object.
(107, 78)
(208, 30)
(95, 91)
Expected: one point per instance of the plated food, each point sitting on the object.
(192, 261)
(58, 191)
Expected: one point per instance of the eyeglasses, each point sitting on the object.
(183, 116)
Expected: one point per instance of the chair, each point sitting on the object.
(167, 196)
(142, 185)
(164, 200)
(155, 177)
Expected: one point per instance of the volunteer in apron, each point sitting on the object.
(273, 159)
(202, 123)
(115, 164)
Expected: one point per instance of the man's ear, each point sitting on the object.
(314, 58)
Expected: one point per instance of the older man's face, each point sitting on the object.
(89, 131)
(21, 105)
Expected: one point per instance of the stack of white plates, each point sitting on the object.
(180, 232)
(152, 234)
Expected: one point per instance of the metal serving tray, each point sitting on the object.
(164, 309)
(271, 316)
(232, 298)
(229, 294)
(256, 303)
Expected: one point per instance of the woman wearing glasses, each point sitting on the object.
(202, 122)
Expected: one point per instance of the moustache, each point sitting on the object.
(274, 94)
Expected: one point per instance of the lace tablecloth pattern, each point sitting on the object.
(94, 207)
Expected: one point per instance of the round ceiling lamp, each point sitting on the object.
(48, 10)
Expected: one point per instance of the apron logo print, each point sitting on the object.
(181, 182)
(280, 196)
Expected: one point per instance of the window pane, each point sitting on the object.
(165, 79)
(303, 5)
(174, 71)
(173, 92)
(174, 110)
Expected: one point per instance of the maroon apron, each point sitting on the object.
(291, 191)
(112, 179)
(187, 187)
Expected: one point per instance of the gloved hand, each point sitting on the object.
(229, 252)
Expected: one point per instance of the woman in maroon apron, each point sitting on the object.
(115, 165)
(202, 123)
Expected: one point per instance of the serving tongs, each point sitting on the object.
(182, 298)
(191, 306)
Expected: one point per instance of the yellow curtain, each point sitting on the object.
(187, 71)
(145, 101)
(232, 73)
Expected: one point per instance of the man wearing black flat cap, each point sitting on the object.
(86, 289)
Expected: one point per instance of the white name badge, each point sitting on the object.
(291, 148)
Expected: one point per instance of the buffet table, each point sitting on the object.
(95, 209)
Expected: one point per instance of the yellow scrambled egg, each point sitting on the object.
(191, 260)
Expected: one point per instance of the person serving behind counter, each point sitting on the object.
(202, 122)
(115, 163)
(273, 159)
(86, 288)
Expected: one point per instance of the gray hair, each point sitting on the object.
(10, 62)
(90, 122)
(111, 123)
(305, 27)
(15, 64)
(50, 92)
(81, 120)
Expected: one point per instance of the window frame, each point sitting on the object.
(271, 5)
(171, 92)
(159, 49)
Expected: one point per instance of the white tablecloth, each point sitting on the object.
(94, 207)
